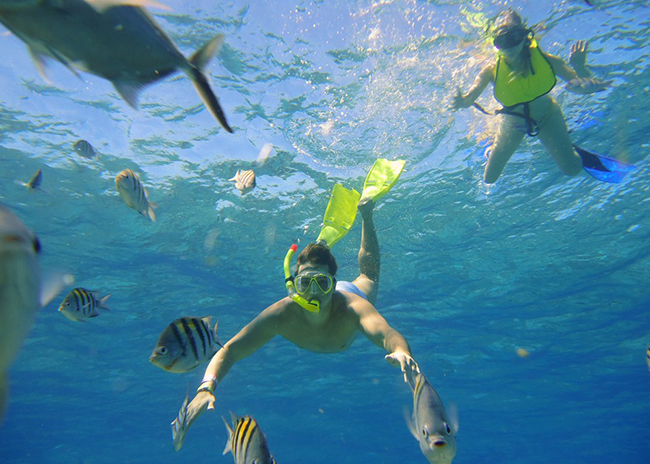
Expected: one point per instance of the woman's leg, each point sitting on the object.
(505, 143)
(554, 135)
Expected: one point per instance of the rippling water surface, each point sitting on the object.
(558, 266)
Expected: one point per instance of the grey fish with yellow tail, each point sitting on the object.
(134, 194)
(244, 180)
(35, 182)
(21, 291)
(431, 425)
(185, 344)
(81, 304)
(246, 441)
(117, 40)
(84, 149)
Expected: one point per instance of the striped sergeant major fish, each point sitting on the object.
(134, 194)
(431, 425)
(84, 149)
(186, 343)
(180, 425)
(81, 304)
(117, 40)
(246, 441)
(22, 292)
(647, 357)
(244, 180)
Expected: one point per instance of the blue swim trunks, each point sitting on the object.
(344, 286)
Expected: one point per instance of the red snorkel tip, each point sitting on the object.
(294, 247)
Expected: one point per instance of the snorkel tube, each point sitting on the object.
(312, 306)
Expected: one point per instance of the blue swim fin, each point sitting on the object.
(602, 167)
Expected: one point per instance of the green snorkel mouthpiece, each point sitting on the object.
(312, 306)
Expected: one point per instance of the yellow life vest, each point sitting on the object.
(511, 89)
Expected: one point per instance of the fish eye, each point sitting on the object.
(163, 350)
(448, 429)
(36, 243)
(424, 432)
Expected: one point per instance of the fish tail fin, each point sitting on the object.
(151, 214)
(102, 302)
(4, 394)
(230, 432)
(216, 337)
(198, 61)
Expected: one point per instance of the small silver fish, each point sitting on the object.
(84, 149)
(35, 181)
(430, 424)
(186, 343)
(117, 40)
(244, 180)
(264, 154)
(21, 291)
(180, 425)
(246, 441)
(81, 304)
(134, 194)
(587, 85)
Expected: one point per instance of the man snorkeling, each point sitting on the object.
(330, 314)
(523, 76)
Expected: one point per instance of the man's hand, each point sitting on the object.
(578, 58)
(188, 414)
(405, 362)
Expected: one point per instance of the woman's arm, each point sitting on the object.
(480, 83)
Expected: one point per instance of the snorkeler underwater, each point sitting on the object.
(324, 232)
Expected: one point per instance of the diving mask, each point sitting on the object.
(509, 37)
(312, 306)
(324, 282)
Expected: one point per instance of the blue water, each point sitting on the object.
(555, 265)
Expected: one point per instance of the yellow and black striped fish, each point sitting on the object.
(647, 357)
(133, 193)
(81, 304)
(84, 149)
(246, 441)
(185, 343)
(244, 180)
(180, 425)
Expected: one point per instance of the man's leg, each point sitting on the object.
(369, 262)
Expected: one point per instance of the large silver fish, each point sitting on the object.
(185, 344)
(431, 425)
(21, 292)
(109, 38)
(247, 442)
(133, 193)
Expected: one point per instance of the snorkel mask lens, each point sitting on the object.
(510, 37)
(324, 282)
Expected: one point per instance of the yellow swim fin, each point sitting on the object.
(339, 215)
(381, 178)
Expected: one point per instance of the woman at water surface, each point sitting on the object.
(523, 76)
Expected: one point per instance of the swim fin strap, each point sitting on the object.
(381, 178)
(604, 168)
(340, 215)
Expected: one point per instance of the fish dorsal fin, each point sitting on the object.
(410, 423)
(102, 5)
(52, 284)
(204, 54)
(39, 62)
(129, 92)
